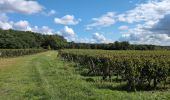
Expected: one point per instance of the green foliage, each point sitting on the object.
(54, 41)
(11, 39)
(138, 68)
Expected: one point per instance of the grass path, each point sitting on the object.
(45, 77)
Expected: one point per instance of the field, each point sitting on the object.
(45, 76)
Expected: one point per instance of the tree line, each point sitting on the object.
(112, 46)
(13, 39)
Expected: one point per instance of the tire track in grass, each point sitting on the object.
(40, 92)
(43, 81)
(41, 64)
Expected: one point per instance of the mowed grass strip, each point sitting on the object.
(20, 80)
(45, 77)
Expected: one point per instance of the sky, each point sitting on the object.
(91, 21)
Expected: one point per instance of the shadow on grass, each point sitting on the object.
(112, 87)
(119, 85)
(125, 87)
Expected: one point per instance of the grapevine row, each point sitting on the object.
(138, 68)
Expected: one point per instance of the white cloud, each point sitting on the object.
(68, 33)
(152, 10)
(67, 20)
(4, 23)
(153, 18)
(105, 20)
(43, 30)
(22, 25)
(46, 30)
(99, 37)
(162, 26)
(26, 7)
(147, 38)
(149, 12)
(20, 6)
(123, 28)
(140, 35)
(49, 13)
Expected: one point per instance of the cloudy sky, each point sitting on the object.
(92, 21)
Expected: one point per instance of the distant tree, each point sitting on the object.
(12, 39)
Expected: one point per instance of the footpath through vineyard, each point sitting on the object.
(45, 77)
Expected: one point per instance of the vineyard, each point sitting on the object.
(144, 69)
(84, 75)
(18, 52)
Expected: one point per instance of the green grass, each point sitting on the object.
(45, 77)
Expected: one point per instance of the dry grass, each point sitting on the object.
(4, 62)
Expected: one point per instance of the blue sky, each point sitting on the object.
(91, 21)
